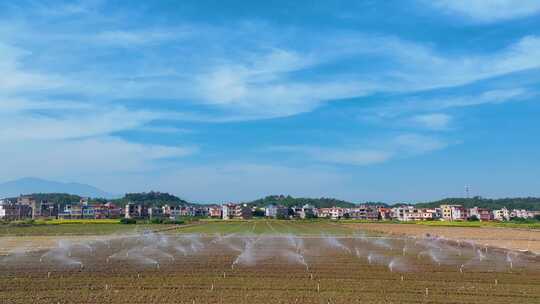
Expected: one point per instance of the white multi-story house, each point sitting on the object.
(524, 214)
(228, 211)
(407, 213)
(501, 215)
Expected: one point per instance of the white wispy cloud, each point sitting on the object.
(89, 156)
(420, 110)
(257, 81)
(434, 121)
(488, 10)
(370, 153)
(21, 123)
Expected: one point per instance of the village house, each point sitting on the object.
(308, 211)
(243, 211)
(521, 213)
(133, 211)
(155, 213)
(407, 213)
(214, 211)
(227, 211)
(482, 214)
(385, 213)
(11, 211)
(364, 212)
(501, 214)
(276, 211)
(454, 213)
(333, 213)
(431, 214)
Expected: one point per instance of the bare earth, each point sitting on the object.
(506, 238)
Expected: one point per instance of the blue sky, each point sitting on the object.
(215, 101)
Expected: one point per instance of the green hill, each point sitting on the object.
(289, 201)
(151, 199)
(528, 203)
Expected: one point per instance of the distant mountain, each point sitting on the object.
(30, 185)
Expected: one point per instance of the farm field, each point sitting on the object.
(74, 229)
(266, 262)
(509, 238)
(269, 227)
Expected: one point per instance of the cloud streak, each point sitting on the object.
(488, 11)
(375, 152)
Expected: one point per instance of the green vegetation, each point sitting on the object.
(298, 227)
(156, 199)
(58, 198)
(79, 227)
(72, 229)
(289, 201)
(147, 198)
(527, 203)
(128, 221)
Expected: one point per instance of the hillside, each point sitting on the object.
(528, 203)
(151, 199)
(290, 201)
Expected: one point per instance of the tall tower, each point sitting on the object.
(467, 191)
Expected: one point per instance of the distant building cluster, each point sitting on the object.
(26, 207)
(400, 213)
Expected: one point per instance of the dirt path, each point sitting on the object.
(507, 238)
